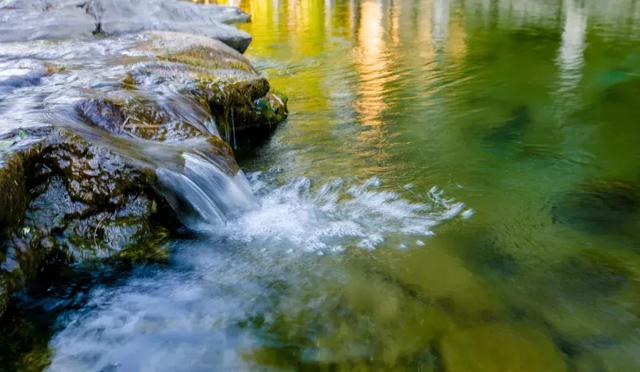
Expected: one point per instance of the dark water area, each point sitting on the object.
(457, 187)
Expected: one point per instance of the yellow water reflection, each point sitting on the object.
(370, 61)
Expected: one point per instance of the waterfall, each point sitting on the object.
(203, 194)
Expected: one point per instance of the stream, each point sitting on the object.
(457, 187)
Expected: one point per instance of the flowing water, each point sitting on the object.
(457, 188)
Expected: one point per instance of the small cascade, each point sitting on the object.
(203, 194)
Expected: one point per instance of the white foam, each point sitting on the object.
(329, 217)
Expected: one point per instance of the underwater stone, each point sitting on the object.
(601, 206)
(513, 128)
(437, 278)
(500, 347)
(593, 273)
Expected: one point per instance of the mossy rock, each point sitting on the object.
(80, 201)
(194, 50)
(213, 58)
(16, 162)
(141, 118)
(500, 347)
(240, 100)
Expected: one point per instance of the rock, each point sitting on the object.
(436, 277)
(619, 357)
(65, 19)
(16, 161)
(500, 347)
(589, 298)
(83, 202)
(79, 182)
(239, 98)
(127, 16)
(211, 83)
(21, 73)
(138, 118)
(41, 19)
(593, 273)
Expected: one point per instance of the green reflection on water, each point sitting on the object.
(527, 111)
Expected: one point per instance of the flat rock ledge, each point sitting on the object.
(23, 20)
(80, 144)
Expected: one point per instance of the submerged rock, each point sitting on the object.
(601, 207)
(512, 129)
(500, 347)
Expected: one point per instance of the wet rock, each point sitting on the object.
(22, 73)
(210, 84)
(141, 119)
(43, 19)
(16, 161)
(500, 347)
(605, 207)
(239, 98)
(93, 174)
(64, 19)
(80, 183)
(82, 202)
(127, 16)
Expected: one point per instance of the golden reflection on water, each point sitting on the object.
(372, 65)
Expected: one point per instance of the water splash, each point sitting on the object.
(300, 217)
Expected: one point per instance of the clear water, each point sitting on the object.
(457, 188)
